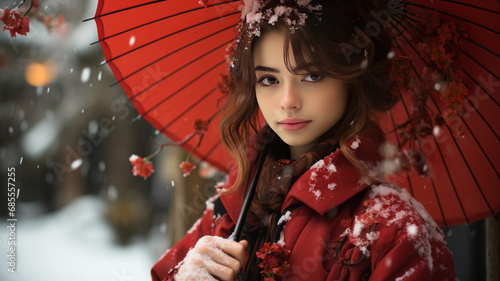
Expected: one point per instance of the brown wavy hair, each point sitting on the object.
(334, 41)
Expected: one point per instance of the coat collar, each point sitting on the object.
(333, 180)
(328, 183)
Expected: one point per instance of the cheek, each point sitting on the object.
(262, 103)
(334, 102)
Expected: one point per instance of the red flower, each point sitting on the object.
(142, 166)
(187, 168)
(14, 23)
(274, 261)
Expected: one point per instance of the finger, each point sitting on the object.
(244, 243)
(218, 270)
(232, 248)
(222, 258)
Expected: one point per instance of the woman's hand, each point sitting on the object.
(213, 258)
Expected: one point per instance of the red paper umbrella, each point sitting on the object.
(169, 56)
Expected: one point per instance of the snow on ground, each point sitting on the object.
(75, 244)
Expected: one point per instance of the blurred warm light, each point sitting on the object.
(40, 74)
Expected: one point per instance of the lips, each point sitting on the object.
(293, 124)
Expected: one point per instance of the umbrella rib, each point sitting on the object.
(177, 70)
(164, 18)
(489, 95)
(472, 6)
(493, 53)
(124, 9)
(483, 47)
(188, 109)
(399, 145)
(164, 37)
(169, 54)
(479, 144)
(407, 26)
(455, 16)
(182, 88)
(487, 124)
(146, 4)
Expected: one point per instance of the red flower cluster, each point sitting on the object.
(187, 168)
(14, 23)
(440, 48)
(401, 74)
(142, 166)
(274, 261)
(438, 43)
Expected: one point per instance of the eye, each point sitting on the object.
(267, 81)
(313, 77)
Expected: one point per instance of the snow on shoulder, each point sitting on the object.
(391, 206)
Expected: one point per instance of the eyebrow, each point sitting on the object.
(267, 69)
(306, 66)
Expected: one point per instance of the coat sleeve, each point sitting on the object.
(412, 258)
(209, 224)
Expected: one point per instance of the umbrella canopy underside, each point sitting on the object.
(169, 56)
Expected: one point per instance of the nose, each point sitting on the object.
(290, 100)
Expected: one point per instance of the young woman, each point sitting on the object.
(321, 210)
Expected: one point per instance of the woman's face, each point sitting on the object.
(298, 107)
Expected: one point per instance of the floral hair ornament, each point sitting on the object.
(255, 13)
(143, 167)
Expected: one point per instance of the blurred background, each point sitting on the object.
(81, 214)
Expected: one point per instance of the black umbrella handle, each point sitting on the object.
(235, 236)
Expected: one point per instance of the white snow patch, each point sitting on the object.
(210, 202)
(372, 236)
(318, 165)
(407, 274)
(358, 227)
(194, 265)
(285, 217)
(313, 176)
(282, 239)
(332, 168)
(331, 186)
(195, 226)
(389, 205)
(316, 192)
(355, 144)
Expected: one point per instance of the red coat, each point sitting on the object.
(344, 230)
